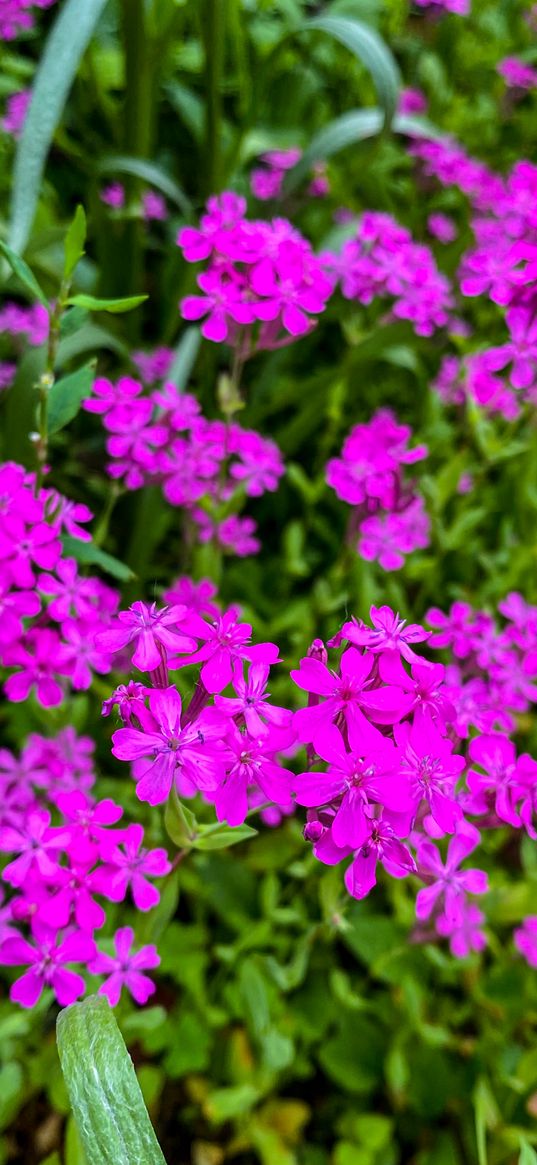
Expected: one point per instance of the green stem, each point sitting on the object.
(213, 31)
(137, 136)
(46, 381)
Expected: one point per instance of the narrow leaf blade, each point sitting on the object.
(24, 273)
(371, 50)
(355, 126)
(74, 242)
(89, 554)
(148, 172)
(105, 1096)
(59, 63)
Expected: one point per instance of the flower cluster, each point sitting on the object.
(266, 181)
(18, 16)
(388, 517)
(49, 612)
(23, 325)
(517, 74)
(384, 261)
(261, 283)
(64, 856)
(494, 676)
(385, 781)
(224, 747)
(206, 467)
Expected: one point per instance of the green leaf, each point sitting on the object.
(89, 554)
(371, 50)
(74, 242)
(23, 273)
(528, 1156)
(220, 836)
(107, 1103)
(185, 358)
(180, 822)
(66, 396)
(343, 131)
(56, 72)
(115, 306)
(148, 172)
(87, 339)
(417, 127)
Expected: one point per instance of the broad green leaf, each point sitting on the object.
(148, 172)
(23, 273)
(114, 306)
(528, 1156)
(89, 554)
(74, 242)
(220, 836)
(58, 66)
(371, 50)
(180, 822)
(184, 358)
(106, 1099)
(88, 338)
(66, 396)
(343, 131)
(417, 127)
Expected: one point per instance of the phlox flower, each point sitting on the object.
(427, 763)
(449, 885)
(500, 786)
(355, 688)
(252, 701)
(464, 933)
(225, 641)
(41, 661)
(154, 633)
(525, 937)
(47, 964)
(168, 750)
(129, 865)
(389, 633)
(36, 843)
(249, 762)
(125, 970)
(381, 845)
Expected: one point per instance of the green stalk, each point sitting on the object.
(137, 136)
(213, 32)
(46, 381)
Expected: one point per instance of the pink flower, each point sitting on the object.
(464, 932)
(449, 883)
(441, 227)
(251, 701)
(355, 688)
(250, 762)
(37, 844)
(40, 663)
(170, 751)
(16, 110)
(390, 633)
(126, 969)
(517, 74)
(427, 763)
(381, 845)
(151, 631)
(154, 207)
(226, 641)
(526, 939)
(47, 965)
(130, 865)
(113, 195)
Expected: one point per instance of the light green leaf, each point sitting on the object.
(185, 358)
(417, 127)
(115, 306)
(343, 131)
(528, 1156)
(57, 69)
(74, 242)
(87, 339)
(66, 396)
(106, 1099)
(371, 50)
(148, 172)
(221, 836)
(89, 554)
(23, 273)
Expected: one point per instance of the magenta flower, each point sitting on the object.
(390, 633)
(464, 933)
(368, 772)
(222, 303)
(130, 865)
(125, 970)
(382, 845)
(447, 883)
(526, 939)
(501, 785)
(250, 762)
(113, 195)
(169, 750)
(37, 844)
(226, 641)
(46, 961)
(151, 631)
(40, 668)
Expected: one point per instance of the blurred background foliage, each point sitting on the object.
(292, 1025)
